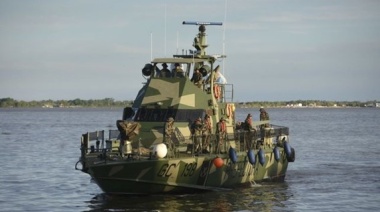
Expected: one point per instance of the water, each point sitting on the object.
(337, 165)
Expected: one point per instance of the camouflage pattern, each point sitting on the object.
(184, 169)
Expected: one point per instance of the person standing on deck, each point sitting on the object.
(168, 132)
(264, 116)
(122, 126)
(196, 130)
(206, 133)
(250, 132)
(221, 133)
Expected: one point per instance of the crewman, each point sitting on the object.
(196, 130)
(221, 134)
(168, 132)
(264, 116)
(197, 78)
(165, 72)
(250, 132)
(178, 71)
(206, 133)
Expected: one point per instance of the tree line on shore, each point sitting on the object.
(110, 102)
(106, 102)
(308, 103)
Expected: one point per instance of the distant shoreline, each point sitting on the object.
(111, 103)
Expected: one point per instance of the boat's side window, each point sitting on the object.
(171, 112)
(128, 113)
(188, 115)
(158, 115)
(141, 113)
(161, 115)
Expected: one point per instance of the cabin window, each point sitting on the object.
(161, 115)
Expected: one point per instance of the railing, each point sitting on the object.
(240, 140)
(227, 92)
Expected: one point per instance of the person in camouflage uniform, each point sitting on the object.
(264, 116)
(178, 71)
(249, 132)
(196, 130)
(221, 134)
(206, 133)
(168, 132)
(197, 78)
(128, 131)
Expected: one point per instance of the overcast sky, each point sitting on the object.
(277, 50)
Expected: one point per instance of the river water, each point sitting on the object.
(337, 164)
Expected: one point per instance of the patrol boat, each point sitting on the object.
(184, 161)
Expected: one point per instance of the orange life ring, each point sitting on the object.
(216, 91)
(228, 110)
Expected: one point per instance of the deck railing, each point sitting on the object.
(241, 140)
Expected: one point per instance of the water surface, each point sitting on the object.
(337, 164)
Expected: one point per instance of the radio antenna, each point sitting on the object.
(224, 33)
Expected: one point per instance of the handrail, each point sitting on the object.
(241, 139)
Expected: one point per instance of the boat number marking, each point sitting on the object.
(165, 170)
(189, 169)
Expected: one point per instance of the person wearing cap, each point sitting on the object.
(221, 133)
(264, 116)
(168, 131)
(206, 132)
(178, 71)
(165, 72)
(196, 131)
(250, 132)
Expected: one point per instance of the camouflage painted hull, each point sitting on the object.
(185, 175)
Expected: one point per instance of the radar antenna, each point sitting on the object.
(200, 42)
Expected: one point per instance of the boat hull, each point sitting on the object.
(185, 174)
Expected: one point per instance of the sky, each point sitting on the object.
(277, 50)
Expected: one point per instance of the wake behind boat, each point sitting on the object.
(181, 136)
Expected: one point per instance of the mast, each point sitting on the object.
(200, 42)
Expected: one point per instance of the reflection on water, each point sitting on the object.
(260, 197)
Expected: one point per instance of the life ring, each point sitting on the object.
(228, 110)
(216, 89)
